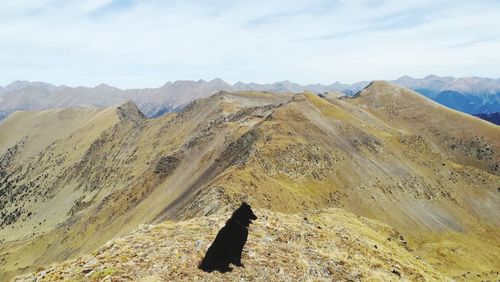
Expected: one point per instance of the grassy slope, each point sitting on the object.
(460, 136)
(113, 187)
(39, 129)
(313, 153)
(54, 141)
(331, 245)
(306, 153)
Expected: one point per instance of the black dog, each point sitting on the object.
(228, 244)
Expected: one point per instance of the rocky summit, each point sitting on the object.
(382, 185)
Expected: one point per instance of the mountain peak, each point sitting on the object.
(104, 86)
(284, 82)
(188, 82)
(405, 77)
(217, 80)
(17, 84)
(378, 84)
(130, 111)
(432, 76)
(379, 88)
(20, 84)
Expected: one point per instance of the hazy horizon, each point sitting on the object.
(234, 82)
(137, 44)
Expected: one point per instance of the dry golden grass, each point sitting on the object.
(325, 246)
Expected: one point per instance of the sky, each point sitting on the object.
(135, 44)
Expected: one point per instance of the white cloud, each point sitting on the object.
(145, 43)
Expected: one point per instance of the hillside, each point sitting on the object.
(332, 245)
(35, 131)
(387, 153)
(108, 175)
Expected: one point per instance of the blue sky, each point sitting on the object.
(128, 43)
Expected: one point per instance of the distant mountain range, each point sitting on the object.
(491, 117)
(472, 95)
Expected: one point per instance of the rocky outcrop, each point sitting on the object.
(166, 165)
(130, 111)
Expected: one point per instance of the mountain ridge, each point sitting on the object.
(472, 95)
(389, 154)
(277, 249)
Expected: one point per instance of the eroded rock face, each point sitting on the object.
(238, 151)
(10, 191)
(298, 161)
(78, 205)
(166, 165)
(477, 148)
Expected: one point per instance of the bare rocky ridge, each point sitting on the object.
(388, 154)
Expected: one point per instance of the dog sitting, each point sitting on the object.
(228, 244)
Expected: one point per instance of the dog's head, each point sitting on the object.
(244, 214)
